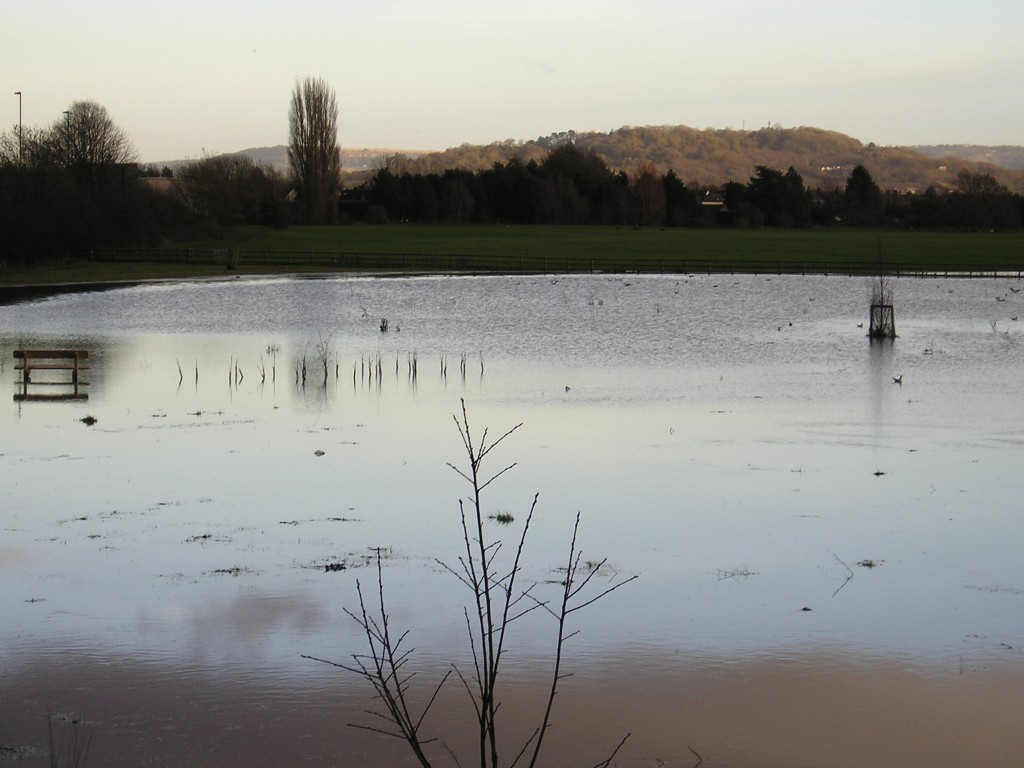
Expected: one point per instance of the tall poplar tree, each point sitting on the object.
(313, 152)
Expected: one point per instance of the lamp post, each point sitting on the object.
(20, 151)
(67, 139)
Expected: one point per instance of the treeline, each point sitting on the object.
(571, 185)
(71, 183)
(77, 184)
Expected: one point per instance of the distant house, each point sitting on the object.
(164, 184)
(713, 201)
(713, 206)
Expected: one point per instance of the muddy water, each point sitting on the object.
(828, 560)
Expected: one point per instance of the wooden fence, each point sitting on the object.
(531, 264)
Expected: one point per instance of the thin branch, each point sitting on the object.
(848, 578)
(608, 591)
(607, 761)
(526, 746)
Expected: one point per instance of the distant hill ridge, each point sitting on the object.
(711, 157)
(1004, 156)
(352, 160)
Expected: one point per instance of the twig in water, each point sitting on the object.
(735, 573)
(850, 570)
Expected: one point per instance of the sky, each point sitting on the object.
(189, 78)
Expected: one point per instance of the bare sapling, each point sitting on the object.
(272, 350)
(882, 323)
(881, 290)
(322, 353)
(301, 367)
(497, 601)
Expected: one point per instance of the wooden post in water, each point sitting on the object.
(883, 322)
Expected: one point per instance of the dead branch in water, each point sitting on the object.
(850, 570)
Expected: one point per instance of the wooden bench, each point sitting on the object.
(50, 360)
(71, 360)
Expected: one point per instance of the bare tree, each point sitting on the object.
(497, 601)
(313, 152)
(648, 191)
(92, 136)
(882, 323)
(24, 145)
(232, 189)
(90, 146)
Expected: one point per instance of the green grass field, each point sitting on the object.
(547, 249)
(650, 244)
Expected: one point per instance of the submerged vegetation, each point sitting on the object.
(69, 742)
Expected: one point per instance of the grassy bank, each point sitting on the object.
(814, 246)
(546, 249)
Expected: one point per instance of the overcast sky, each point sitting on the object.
(185, 78)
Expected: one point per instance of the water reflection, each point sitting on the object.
(817, 707)
(737, 441)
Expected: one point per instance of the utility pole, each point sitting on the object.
(21, 157)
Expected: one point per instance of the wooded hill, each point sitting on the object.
(1002, 157)
(708, 157)
(353, 161)
(712, 157)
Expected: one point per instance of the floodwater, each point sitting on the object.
(828, 561)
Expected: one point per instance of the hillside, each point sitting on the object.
(361, 162)
(352, 160)
(711, 157)
(1002, 157)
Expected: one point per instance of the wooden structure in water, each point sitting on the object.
(58, 361)
(883, 322)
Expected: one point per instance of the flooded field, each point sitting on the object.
(826, 530)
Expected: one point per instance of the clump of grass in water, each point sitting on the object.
(71, 747)
(505, 518)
